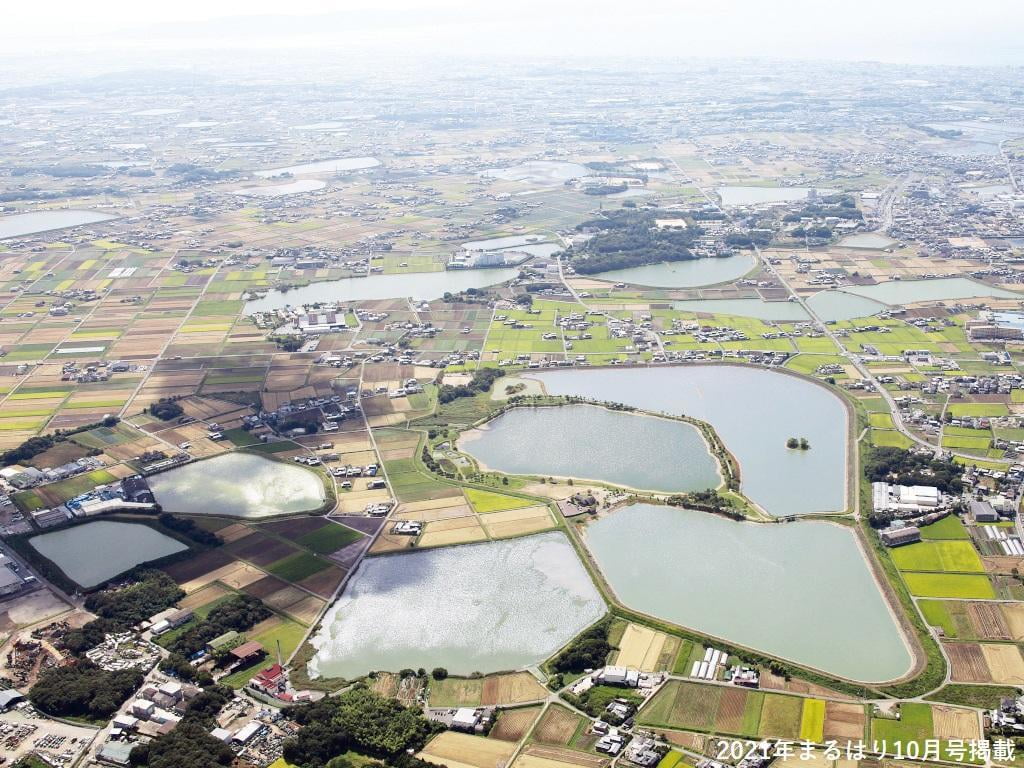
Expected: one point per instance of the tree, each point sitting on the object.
(439, 673)
(166, 409)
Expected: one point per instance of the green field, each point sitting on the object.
(329, 538)
(938, 555)
(812, 721)
(961, 585)
(947, 528)
(487, 501)
(297, 567)
(915, 724)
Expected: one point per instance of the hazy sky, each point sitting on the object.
(906, 31)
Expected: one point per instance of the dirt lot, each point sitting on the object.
(988, 621)
(950, 723)
(844, 722)
(535, 756)
(1005, 664)
(511, 689)
(557, 726)
(514, 724)
(460, 749)
(967, 663)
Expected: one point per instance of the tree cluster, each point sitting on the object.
(357, 720)
(240, 613)
(588, 650)
(896, 465)
(627, 238)
(481, 381)
(83, 690)
(188, 528)
(166, 409)
(123, 607)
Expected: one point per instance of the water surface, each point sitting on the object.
(754, 411)
(418, 285)
(488, 607)
(20, 224)
(238, 484)
(840, 305)
(940, 289)
(762, 310)
(335, 165)
(802, 591)
(683, 274)
(538, 172)
(593, 443)
(277, 190)
(868, 241)
(99, 550)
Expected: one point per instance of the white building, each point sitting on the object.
(905, 500)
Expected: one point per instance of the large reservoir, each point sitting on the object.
(417, 285)
(489, 607)
(91, 553)
(21, 224)
(238, 485)
(690, 273)
(801, 591)
(754, 411)
(593, 443)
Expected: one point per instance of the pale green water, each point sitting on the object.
(942, 289)
(683, 274)
(240, 485)
(20, 224)
(585, 441)
(840, 305)
(802, 591)
(487, 607)
(868, 240)
(96, 551)
(417, 285)
(754, 411)
(762, 310)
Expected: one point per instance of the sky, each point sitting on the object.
(980, 32)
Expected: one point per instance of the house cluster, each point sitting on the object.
(1008, 719)
(407, 528)
(22, 478)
